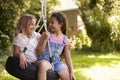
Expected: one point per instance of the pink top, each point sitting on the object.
(60, 41)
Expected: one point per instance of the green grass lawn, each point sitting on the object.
(96, 66)
(87, 66)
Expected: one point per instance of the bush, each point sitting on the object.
(100, 17)
(80, 39)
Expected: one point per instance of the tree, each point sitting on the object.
(9, 14)
(96, 14)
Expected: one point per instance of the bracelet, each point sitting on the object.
(24, 50)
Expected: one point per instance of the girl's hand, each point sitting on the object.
(23, 61)
(46, 35)
(69, 45)
(72, 77)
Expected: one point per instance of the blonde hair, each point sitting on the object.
(24, 23)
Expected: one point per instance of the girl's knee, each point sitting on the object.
(44, 65)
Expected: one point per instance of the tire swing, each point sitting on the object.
(30, 73)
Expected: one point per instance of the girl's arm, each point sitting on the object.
(42, 42)
(21, 56)
(69, 62)
(68, 58)
(16, 51)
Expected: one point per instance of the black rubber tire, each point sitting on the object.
(30, 73)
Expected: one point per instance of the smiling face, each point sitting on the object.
(54, 25)
(31, 27)
(58, 22)
(26, 25)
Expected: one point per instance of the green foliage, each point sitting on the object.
(114, 21)
(96, 14)
(35, 7)
(9, 14)
(80, 39)
(10, 10)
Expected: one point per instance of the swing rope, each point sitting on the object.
(43, 5)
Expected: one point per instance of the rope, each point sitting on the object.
(43, 18)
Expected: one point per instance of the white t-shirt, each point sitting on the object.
(31, 43)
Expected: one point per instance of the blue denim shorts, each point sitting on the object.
(59, 67)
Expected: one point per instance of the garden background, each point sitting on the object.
(95, 49)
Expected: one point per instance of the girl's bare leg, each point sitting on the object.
(64, 75)
(43, 67)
